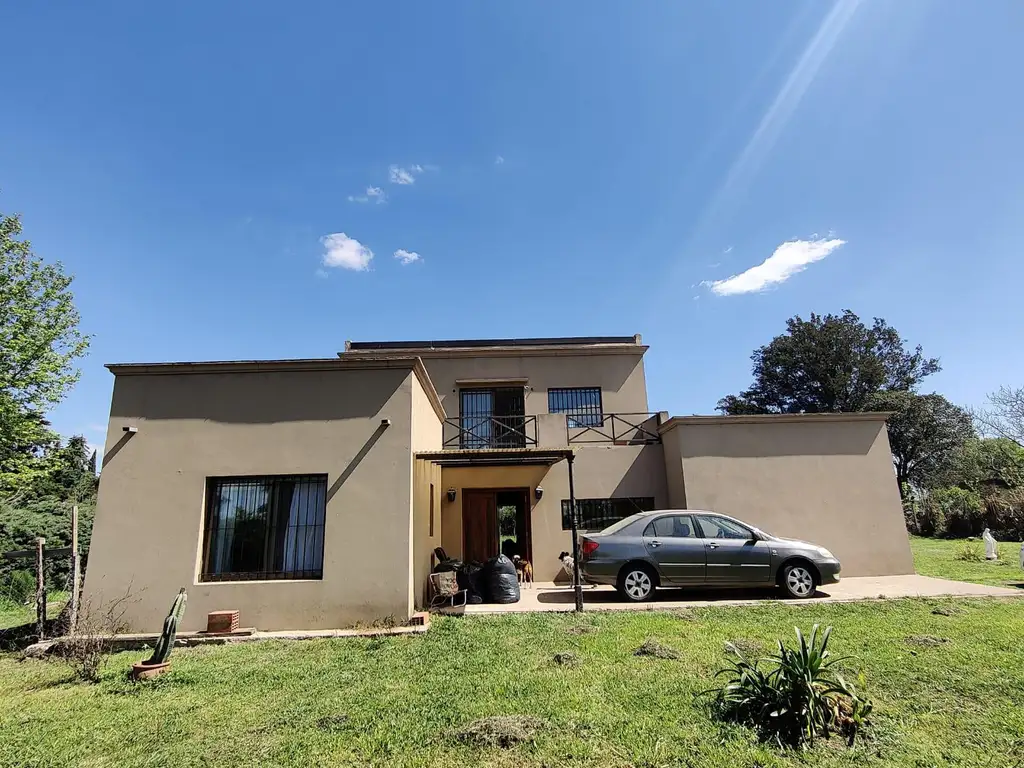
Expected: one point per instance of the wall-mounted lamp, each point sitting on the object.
(538, 492)
(132, 430)
(385, 422)
(451, 494)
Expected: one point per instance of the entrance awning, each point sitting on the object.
(498, 457)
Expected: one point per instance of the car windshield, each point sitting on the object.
(616, 527)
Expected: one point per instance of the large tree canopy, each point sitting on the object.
(927, 434)
(829, 363)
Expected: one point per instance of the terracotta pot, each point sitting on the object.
(143, 671)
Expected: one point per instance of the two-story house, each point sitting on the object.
(312, 493)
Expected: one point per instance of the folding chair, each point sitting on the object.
(445, 592)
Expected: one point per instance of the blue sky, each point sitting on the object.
(211, 172)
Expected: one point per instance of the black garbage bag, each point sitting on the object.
(471, 578)
(501, 579)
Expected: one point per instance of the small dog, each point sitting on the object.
(568, 564)
(524, 570)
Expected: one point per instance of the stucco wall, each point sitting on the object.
(600, 472)
(620, 377)
(425, 474)
(426, 436)
(829, 481)
(149, 521)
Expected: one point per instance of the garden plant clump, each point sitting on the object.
(795, 696)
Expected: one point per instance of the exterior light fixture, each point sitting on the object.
(538, 492)
(130, 430)
(451, 494)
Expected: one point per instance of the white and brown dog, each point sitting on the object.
(568, 564)
(524, 570)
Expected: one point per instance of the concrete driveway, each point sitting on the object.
(555, 597)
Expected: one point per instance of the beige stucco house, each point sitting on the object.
(311, 493)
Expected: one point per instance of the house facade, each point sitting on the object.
(311, 494)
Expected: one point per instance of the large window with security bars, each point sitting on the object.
(269, 527)
(581, 405)
(598, 514)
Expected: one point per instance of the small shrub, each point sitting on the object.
(799, 698)
(969, 551)
(85, 648)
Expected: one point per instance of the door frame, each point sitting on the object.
(526, 492)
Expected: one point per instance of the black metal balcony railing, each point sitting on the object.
(476, 432)
(616, 428)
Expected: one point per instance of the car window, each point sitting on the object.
(720, 528)
(672, 526)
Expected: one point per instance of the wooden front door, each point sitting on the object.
(479, 525)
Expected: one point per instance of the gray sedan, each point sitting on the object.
(686, 547)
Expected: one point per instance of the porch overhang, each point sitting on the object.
(498, 457)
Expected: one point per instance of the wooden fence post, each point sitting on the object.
(76, 572)
(40, 590)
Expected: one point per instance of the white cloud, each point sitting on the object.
(406, 257)
(321, 273)
(398, 175)
(499, 160)
(788, 259)
(340, 250)
(371, 194)
(417, 168)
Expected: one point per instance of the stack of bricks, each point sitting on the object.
(221, 622)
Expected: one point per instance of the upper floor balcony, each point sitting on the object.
(550, 430)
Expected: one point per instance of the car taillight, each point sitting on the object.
(588, 547)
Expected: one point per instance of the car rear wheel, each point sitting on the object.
(636, 582)
(798, 580)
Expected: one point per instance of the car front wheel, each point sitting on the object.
(637, 584)
(798, 580)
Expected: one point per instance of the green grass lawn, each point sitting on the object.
(938, 557)
(15, 614)
(398, 701)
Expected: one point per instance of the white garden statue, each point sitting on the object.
(990, 545)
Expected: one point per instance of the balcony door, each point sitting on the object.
(492, 418)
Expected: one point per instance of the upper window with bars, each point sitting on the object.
(581, 405)
(264, 528)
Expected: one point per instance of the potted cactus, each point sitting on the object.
(158, 663)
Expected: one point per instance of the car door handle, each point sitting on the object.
(711, 546)
(655, 543)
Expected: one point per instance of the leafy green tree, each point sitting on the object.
(70, 472)
(39, 344)
(927, 433)
(984, 463)
(829, 363)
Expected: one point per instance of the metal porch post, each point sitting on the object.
(577, 585)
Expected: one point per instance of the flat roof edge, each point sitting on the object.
(773, 418)
(256, 366)
(549, 341)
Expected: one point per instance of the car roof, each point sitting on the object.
(653, 512)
